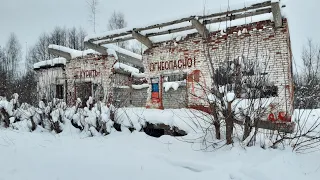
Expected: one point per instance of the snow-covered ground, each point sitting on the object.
(123, 156)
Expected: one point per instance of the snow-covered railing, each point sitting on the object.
(190, 24)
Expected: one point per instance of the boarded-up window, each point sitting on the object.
(59, 91)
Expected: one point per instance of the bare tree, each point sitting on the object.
(81, 35)
(93, 10)
(39, 52)
(117, 21)
(3, 73)
(307, 79)
(59, 36)
(73, 38)
(13, 56)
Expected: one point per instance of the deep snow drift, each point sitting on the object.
(123, 156)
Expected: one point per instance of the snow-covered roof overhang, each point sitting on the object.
(119, 53)
(56, 62)
(69, 53)
(159, 32)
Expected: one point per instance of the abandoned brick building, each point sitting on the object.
(108, 75)
(187, 58)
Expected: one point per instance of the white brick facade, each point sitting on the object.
(252, 42)
(97, 71)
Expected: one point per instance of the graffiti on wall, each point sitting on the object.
(86, 74)
(172, 64)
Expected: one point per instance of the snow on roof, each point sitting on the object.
(107, 33)
(73, 53)
(125, 68)
(123, 51)
(126, 32)
(51, 62)
(138, 75)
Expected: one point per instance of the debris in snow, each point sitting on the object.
(52, 62)
(125, 68)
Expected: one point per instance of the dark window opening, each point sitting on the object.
(262, 92)
(84, 91)
(175, 77)
(59, 91)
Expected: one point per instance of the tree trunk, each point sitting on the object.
(229, 125)
(217, 129)
(247, 128)
(5, 117)
(216, 122)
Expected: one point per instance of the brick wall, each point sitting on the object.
(47, 81)
(257, 42)
(94, 71)
(125, 97)
(175, 99)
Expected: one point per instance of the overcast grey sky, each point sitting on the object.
(29, 18)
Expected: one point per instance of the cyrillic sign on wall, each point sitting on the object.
(172, 64)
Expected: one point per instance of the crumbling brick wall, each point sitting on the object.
(259, 41)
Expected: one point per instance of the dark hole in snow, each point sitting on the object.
(157, 130)
(117, 126)
(131, 129)
(76, 125)
(153, 132)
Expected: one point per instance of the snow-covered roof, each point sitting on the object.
(123, 51)
(182, 26)
(110, 49)
(125, 68)
(72, 52)
(50, 63)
